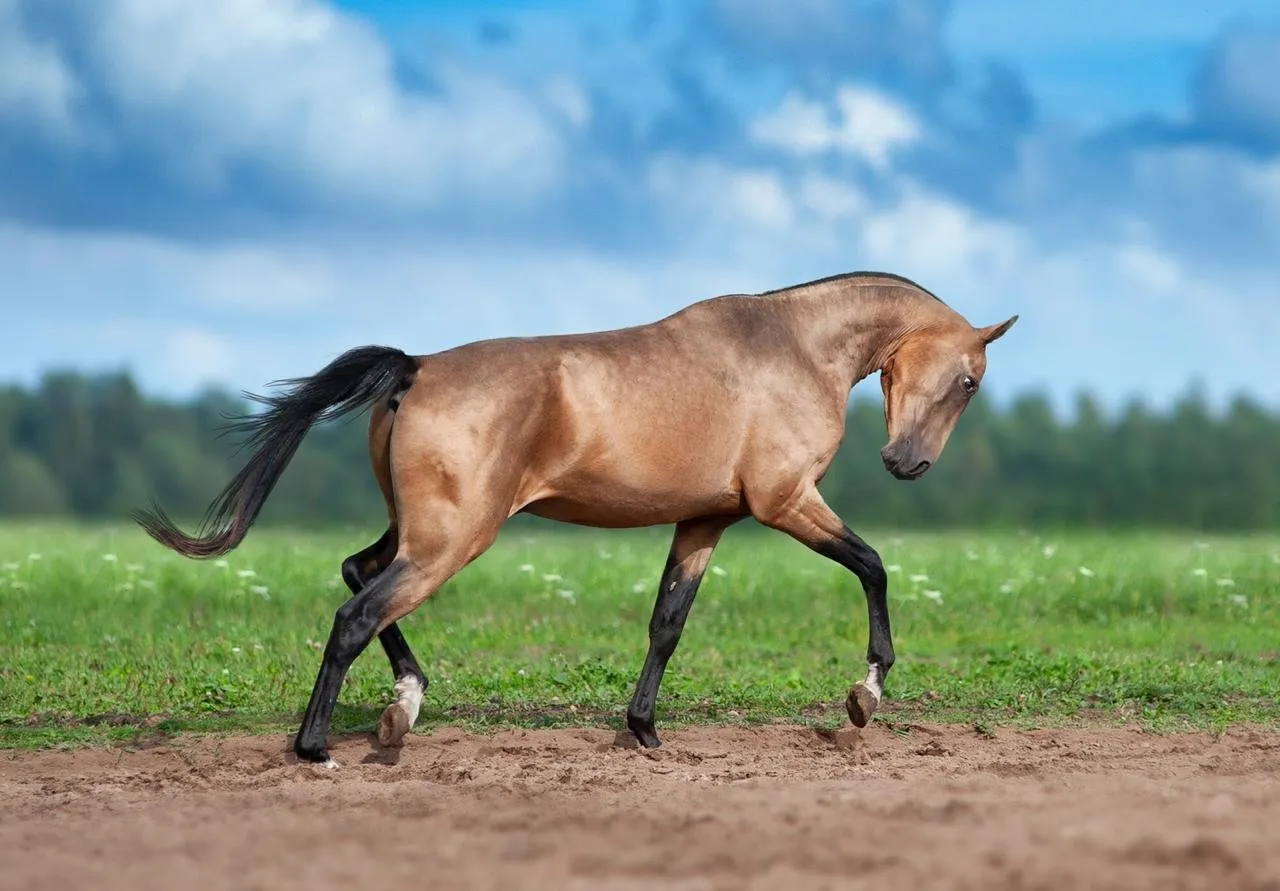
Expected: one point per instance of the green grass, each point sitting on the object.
(105, 635)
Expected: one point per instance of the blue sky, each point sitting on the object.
(232, 193)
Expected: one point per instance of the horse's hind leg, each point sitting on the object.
(690, 553)
(411, 684)
(424, 562)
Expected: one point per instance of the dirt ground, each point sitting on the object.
(770, 807)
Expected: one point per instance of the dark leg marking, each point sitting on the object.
(357, 571)
(675, 598)
(686, 563)
(860, 558)
(354, 626)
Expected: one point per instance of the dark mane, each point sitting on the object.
(901, 279)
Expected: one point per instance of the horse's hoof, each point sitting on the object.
(644, 732)
(393, 726)
(318, 754)
(861, 704)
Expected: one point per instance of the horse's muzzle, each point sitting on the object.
(901, 459)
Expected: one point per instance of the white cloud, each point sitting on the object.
(829, 198)
(566, 96)
(718, 194)
(62, 267)
(36, 86)
(196, 356)
(1236, 86)
(864, 123)
(308, 95)
(941, 239)
(1149, 268)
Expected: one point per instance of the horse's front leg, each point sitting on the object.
(808, 519)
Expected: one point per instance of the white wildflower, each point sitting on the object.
(1049, 550)
(1238, 600)
(245, 573)
(604, 555)
(235, 650)
(893, 567)
(1200, 572)
(1007, 588)
(552, 577)
(566, 594)
(221, 564)
(1086, 572)
(1226, 583)
(261, 590)
(10, 567)
(919, 577)
(935, 596)
(133, 567)
(639, 587)
(525, 567)
(716, 570)
(34, 557)
(147, 583)
(971, 554)
(110, 558)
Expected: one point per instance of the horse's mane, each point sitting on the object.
(899, 279)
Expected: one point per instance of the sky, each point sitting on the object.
(225, 194)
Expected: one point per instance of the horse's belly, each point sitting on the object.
(633, 497)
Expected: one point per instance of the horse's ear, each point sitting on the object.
(995, 332)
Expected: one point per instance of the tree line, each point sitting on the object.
(96, 447)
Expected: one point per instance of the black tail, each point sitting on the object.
(349, 383)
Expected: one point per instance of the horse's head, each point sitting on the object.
(928, 382)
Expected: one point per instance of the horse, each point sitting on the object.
(730, 408)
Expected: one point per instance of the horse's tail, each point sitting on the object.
(349, 383)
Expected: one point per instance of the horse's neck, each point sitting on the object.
(851, 331)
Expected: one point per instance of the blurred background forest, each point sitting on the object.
(96, 447)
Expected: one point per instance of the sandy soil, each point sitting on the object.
(773, 807)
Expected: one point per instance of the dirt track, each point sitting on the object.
(776, 807)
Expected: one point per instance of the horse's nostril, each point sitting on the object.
(921, 468)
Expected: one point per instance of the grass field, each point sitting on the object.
(105, 635)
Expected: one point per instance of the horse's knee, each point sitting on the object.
(873, 574)
(351, 573)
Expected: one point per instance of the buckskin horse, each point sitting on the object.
(730, 408)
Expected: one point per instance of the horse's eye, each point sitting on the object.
(969, 385)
